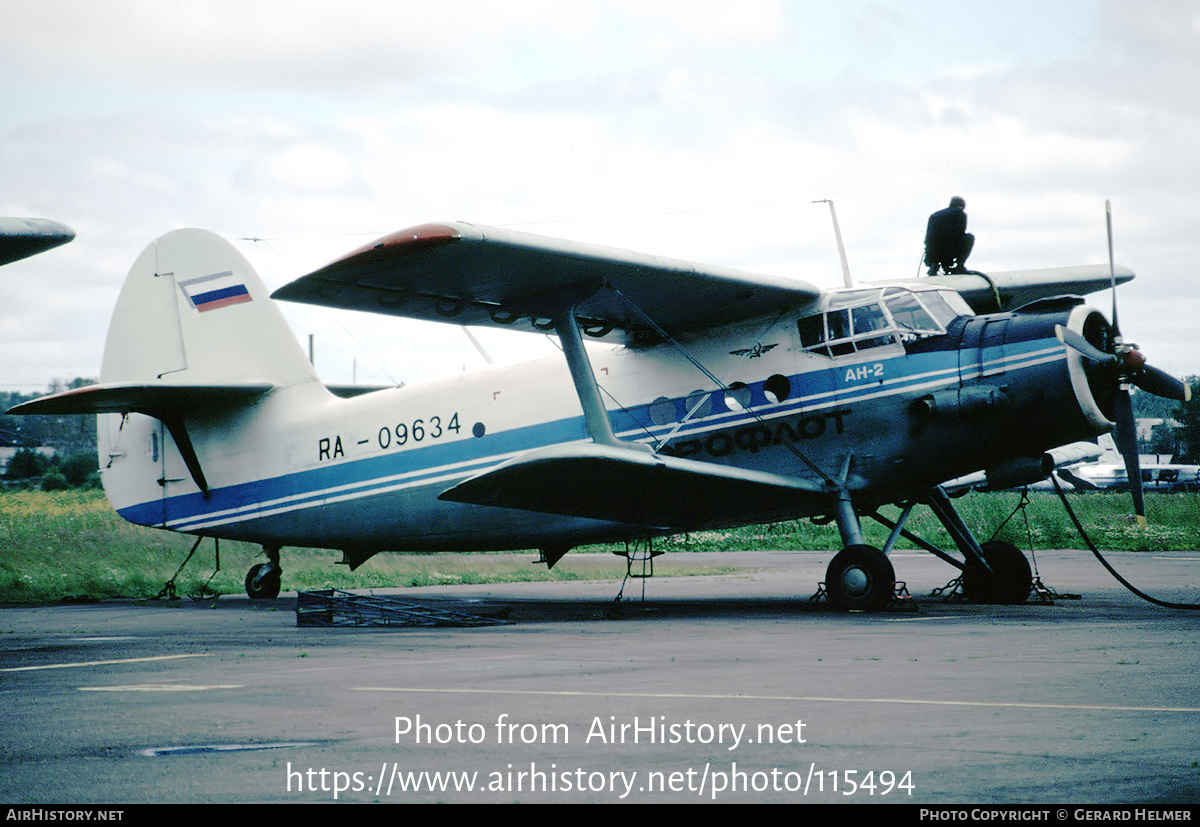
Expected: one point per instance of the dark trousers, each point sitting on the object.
(950, 256)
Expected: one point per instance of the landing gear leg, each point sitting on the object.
(995, 571)
(263, 580)
(860, 577)
(1008, 582)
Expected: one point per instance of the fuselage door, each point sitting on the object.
(173, 478)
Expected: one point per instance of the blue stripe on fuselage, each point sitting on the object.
(350, 478)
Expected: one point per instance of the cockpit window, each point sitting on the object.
(909, 313)
(812, 330)
(942, 312)
(838, 324)
(869, 317)
(855, 320)
(845, 298)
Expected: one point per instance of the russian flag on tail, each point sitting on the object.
(215, 291)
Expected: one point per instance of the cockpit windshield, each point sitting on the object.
(855, 320)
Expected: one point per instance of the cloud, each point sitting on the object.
(354, 46)
(700, 131)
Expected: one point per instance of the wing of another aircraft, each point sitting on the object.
(1034, 469)
(475, 275)
(624, 485)
(24, 237)
(1010, 289)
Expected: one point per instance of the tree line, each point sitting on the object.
(51, 452)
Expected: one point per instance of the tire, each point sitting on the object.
(1009, 581)
(860, 578)
(263, 581)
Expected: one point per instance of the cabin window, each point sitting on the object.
(777, 388)
(737, 396)
(698, 403)
(662, 411)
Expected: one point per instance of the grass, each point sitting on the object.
(71, 544)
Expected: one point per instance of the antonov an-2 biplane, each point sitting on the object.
(723, 398)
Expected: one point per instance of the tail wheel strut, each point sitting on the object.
(263, 581)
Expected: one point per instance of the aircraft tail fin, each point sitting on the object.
(194, 339)
(194, 312)
(193, 326)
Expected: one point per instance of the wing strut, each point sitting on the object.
(598, 423)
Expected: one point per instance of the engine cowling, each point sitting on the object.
(1093, 384)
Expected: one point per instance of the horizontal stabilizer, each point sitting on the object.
(349, 391)
(1010, 289)
(473, 275)
(624, 485)
(158, 400)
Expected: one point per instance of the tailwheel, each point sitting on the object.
(860, 578)
(1009, 581)
(263, 581)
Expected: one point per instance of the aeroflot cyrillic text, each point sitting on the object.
(761, 435)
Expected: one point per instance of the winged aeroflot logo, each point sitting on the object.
(752, 352)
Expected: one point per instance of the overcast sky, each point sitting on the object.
(695, 129)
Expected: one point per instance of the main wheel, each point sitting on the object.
(263, 581)
(861, 578)
(1009, 581)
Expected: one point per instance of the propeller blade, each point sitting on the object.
(1161, 383)
(1131, 364)
(1126, 439)
(1112, 271)
(1076, 341)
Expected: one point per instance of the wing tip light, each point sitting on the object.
(402, 242)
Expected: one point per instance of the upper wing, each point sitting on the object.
(468, 274)
(1010, 289)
